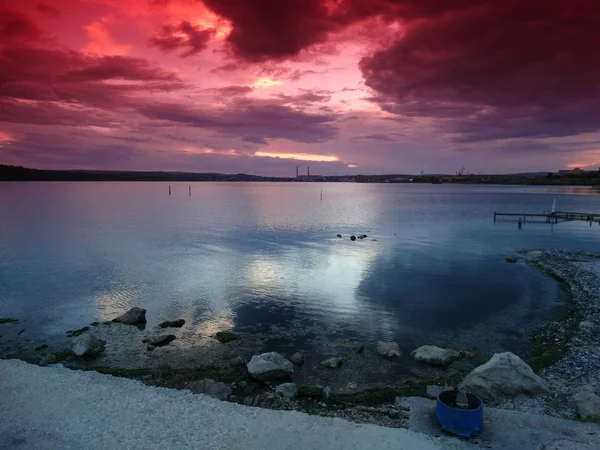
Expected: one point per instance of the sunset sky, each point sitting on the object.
(261, 86)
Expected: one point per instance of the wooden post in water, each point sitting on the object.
(169, 189)
(321, 193)
(190, 187)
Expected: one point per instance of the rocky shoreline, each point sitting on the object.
(567, 351)
(566, 354)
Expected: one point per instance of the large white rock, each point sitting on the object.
(87, 345)
(505, 375)
(388, 349)
(269, 366)
(431, 354)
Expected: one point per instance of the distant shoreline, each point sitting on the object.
(19, 173)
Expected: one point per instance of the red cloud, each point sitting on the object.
(274, 29)
(16, 27)
(38, 78)
(185, 35)
(496, 69)
(50, 10)
(251, 119)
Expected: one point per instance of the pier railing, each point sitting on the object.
(551, 217)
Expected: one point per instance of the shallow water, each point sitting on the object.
(263, 257)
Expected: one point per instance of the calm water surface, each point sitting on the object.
(250, 256)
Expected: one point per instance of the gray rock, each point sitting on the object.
(209, 387)
(326, 393)
(135, 316)
(504, 376)
(48, 359)
(586, 404)
(333, 363)
(352, 238)
(172, 324)
(388, 349)
(297, 358)
(269, 366)
(237, 361)
(88, 345)
(287, 390)
(433, 391)
(160, 341)
(436, 356)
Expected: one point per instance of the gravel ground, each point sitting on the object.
(57, 408)
(580, 273)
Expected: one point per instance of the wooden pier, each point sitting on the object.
(551, 217)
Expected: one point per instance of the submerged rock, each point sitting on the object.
(339, 235)
(504, 376)
(362, 236)
(313, 391)
(586, 404)
(333, 363)
(79, 332)
(212, 388)
(172, 324)
(88, 345)
(48, 359)
(135, 316)
(237, 361)
(388, 349)
(430, 354)
(347, 343)
(269, 366)
(511, 259)
(287, 390)
(8, 320)
(160, 341)
(297, 358)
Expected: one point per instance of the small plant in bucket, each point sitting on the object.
(459, 412)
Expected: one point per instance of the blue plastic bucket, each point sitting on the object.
(463, 422)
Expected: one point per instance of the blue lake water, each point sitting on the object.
(253, 256)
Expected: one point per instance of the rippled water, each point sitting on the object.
(249, 256)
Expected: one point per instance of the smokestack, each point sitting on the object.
(308, 173)
(297, 171)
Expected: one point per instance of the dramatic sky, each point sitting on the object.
(260, 86)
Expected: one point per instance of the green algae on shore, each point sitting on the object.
(226, 336)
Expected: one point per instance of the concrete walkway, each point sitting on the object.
(56, 408)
